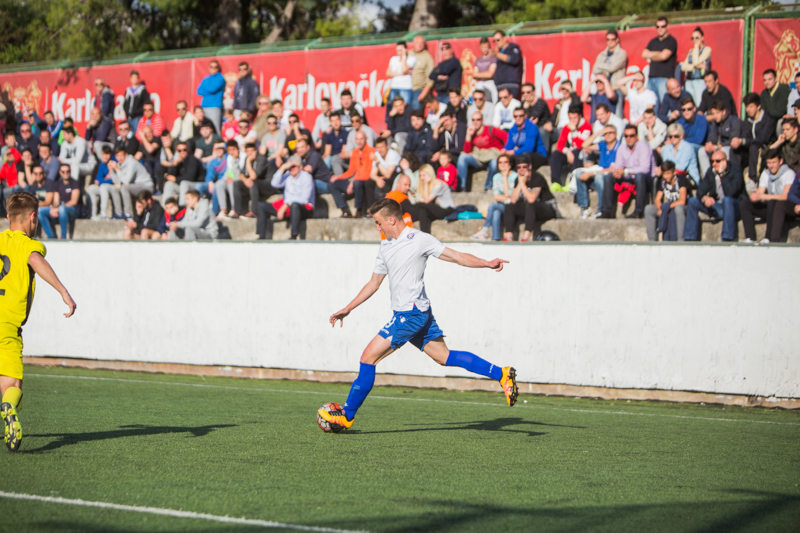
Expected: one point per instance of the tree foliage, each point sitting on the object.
(481, 12)
(40, 30)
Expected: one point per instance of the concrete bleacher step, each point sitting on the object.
(620, 230)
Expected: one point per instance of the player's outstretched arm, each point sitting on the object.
(364, 294)
(40, 265)
(470, 261)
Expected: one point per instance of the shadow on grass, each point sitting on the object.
(498, 424)
(759, 511)
(134, 430)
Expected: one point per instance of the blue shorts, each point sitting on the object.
(415, 326)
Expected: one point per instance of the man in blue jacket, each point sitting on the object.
(508, 74)
(245, 92)
(212, 89)
(524, 138)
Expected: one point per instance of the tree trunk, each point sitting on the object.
(283, 21)
(230, 22)
(426, 15)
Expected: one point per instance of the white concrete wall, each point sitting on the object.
(701, 318)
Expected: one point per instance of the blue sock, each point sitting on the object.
(474, 364)
(360, 389)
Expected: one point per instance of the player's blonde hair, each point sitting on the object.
(20, 205)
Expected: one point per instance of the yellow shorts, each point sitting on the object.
(10, 353)
(11, 364)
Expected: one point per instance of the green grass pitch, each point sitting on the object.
(416, 460)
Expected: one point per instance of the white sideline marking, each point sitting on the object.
(590, 411)
(170, 512)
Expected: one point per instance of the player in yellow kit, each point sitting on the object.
(22, 259)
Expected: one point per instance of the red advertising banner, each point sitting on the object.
(776, 46)
(302, 78)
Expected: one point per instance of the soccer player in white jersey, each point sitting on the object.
(402, 256)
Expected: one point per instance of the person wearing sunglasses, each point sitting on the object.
(245, 92)
(152, 120)
(104, 98)
(611, 63)
(508, 74)
(212, 89)
(481, 104)
(680, 152)
(186, 173)
(297, 203)
(633, 164)
(694, 124)
(43, 188)
(136, 96)
(446, 74)
(725, 132)
(482, 146)
(718, 196)
(661, 52)
(67, 204)
(697, 64)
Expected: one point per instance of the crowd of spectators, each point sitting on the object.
(668, 141)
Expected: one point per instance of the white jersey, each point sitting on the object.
(403, 259)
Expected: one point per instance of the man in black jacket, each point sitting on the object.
(135, 97)
(718, 196)
(508, 74)
(184, 175)
(253, 183)
(420, 138)
(245, 92)
(398, 123)
(100, 132)
(148, 222)
(759, 133)
(725, 133)
(448, 135)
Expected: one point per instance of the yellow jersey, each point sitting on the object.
(17, 283)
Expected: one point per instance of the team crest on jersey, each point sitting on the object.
(410, 236)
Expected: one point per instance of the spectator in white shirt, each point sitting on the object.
(652, 130)
(639, 96)
(183, 127)
(504, 110)
(606, 118)
(480, 104)
(399, 70)
(322, 124)
(245, 135)
(75, 153)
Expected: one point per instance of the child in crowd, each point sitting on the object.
(230, 128)
(447, 171)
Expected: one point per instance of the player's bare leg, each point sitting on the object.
(377, 350)
(507, 376)
(11, 392)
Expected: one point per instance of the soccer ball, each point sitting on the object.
(326, 426)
